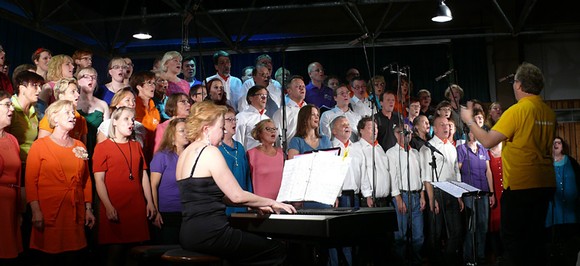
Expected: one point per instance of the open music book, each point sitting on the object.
(455, 188)
(316, 176)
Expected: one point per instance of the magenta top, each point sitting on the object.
(266, 172)
(180, 86)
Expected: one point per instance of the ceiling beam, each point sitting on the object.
(503, 16)
(41, 28)
(381, 28)
(59, 7)
(528, 7)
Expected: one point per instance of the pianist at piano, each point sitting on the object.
(205, 182)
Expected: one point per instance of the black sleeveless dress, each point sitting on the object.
(205, 226)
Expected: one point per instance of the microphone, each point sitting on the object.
(390, 66)
(433, 149)
(508, 77)
(359, 39)
(398, 73)
(445, 74)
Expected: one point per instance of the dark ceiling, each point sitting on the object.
(107, 27)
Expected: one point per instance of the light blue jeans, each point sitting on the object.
(416, 226)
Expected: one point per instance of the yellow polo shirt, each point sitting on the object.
(24, 127)
(529, 126)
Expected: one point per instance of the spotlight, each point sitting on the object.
(443, 13)
(143, 33)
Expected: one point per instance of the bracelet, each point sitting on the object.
(89, 209)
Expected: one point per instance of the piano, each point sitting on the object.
(336, 226)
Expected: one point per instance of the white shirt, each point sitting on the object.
(364, 152)
(333, 113)
(352, 181)
(247, 120)
(362, 107)
(447, 167)
(398, 169)
(274, 92)
(292, 109)
(232, 88)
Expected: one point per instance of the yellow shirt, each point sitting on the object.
(24, 127)
(529, 126)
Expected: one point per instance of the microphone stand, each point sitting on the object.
(373, 112)
(409, 232)
(284, 136)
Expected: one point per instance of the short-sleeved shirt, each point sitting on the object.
(529, 126)
(24, 127)
(320, 96)
(165, 162)
(473, 166)
(299, 144)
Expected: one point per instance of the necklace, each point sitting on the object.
(232, 155)
(130, 161)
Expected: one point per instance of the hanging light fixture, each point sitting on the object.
(143, 33)
(443, 13)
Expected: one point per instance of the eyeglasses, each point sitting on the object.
(262, 95)
(231, 119)
(91, 77)
(7, 104)
(162, 81)
(445, 109)
(117, 67)
(271, 129)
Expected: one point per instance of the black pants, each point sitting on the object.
(523, 218)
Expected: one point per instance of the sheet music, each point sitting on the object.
(313, 177)
(455, 188)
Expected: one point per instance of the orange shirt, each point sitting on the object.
(77, 132)
(150, 118)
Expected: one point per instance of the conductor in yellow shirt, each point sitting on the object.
(528, 128)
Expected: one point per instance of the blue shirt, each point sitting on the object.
(160, 105)
(302, 147)
(238, 163)
(319, 96)
(474, 167)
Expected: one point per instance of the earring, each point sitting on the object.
(207, 139)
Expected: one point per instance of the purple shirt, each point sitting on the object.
(473, 166)
(319, 96)
(164, 162)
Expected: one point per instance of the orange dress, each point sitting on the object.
(77, 132)
(126, 195)
(10, 206)
(59, 181)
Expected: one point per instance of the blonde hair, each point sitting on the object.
(202, 114)
(115, 116)
(259, 128)
(61, 86)
(54, 108)
(54, 71)
(453, 87)
(85, 70)
(166, 57)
